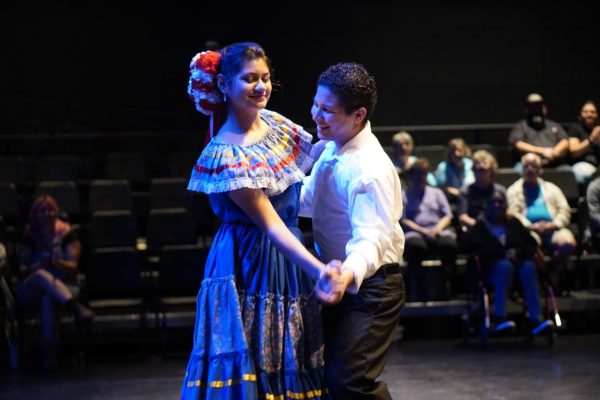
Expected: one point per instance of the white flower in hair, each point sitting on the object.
(202, 86)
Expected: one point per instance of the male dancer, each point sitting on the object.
(353, 196)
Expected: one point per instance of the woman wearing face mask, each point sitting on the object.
(258, 332)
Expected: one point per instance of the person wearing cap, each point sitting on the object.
(539, 135)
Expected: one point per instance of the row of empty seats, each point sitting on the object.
(80, 201)
(134, 167)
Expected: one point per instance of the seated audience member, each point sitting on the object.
(426, 222)
(456, 172)
(539, 135)
(403, 157)
(593, 202)
(542, 208)
(403, 145)
(504, 246)
(49, 257)
(473, 199)
(584, 143)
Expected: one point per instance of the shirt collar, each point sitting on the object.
(356, 142)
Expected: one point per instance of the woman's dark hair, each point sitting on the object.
(353, 86)
(38, 229)
(421, 164)
(592, 102)
(235, 55)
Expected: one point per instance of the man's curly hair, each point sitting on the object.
(353, 86)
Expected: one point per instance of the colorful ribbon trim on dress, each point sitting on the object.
(291, 395)
(251, 377)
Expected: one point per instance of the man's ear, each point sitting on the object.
(360, 115)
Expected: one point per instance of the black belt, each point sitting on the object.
(388, 269)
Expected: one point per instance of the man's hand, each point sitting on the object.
(333, 282)
(548, 153)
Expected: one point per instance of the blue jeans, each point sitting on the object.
(583, 171)
(501, 278)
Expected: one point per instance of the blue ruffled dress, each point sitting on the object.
(258, 333)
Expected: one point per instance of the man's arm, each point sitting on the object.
(561, 149)
(373, 214)
(307, 194)
(524, 147)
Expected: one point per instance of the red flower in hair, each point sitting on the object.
(208, 61)
(202, 86)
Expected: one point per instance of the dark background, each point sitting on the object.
(80, 66)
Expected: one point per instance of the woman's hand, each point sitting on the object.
(332, 282)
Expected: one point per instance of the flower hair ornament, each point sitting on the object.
(202, 86)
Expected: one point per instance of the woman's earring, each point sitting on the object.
(224, 98)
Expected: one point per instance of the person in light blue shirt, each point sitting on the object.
(542, 208)
(456, 172)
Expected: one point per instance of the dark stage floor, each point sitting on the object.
(433, 369)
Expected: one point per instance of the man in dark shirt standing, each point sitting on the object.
(539, 135)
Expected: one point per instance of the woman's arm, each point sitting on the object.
(577, 147)
(412, 225)
(260, 210)
(25, 265)
(442, 224)
(70, 263)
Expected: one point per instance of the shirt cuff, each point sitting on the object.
(358, 265)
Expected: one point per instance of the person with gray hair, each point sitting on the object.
(403, 145)
(542, 208)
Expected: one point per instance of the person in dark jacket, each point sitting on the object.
(504, 246)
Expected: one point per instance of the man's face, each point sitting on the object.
(536, 112)
(531, 169)
(330, 116)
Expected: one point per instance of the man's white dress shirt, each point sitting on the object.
(354, 198)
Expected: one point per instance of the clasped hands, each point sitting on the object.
(332, 282)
